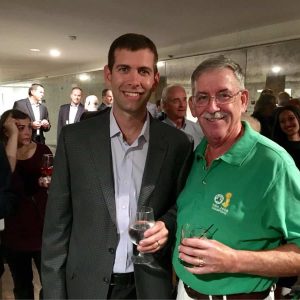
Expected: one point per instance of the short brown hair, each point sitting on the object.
(132, 42)
(34, 87)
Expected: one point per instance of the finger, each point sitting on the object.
(151, 241)
(151, 248)
(158, 226)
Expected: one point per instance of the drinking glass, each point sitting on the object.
(195, 231)
(47, 165)
(143, 220)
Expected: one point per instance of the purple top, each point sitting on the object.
(23, 230)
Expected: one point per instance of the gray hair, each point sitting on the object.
(218, 62)
(166, 90)
(88, 101)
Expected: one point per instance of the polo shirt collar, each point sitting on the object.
(170, 122)
(238, 153)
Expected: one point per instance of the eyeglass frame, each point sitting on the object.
(215, 97)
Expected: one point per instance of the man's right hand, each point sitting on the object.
(36, 124)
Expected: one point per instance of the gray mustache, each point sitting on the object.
(216, 115)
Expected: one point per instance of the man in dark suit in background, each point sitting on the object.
(70, 113)
(133, 160)
(107, 99)
(36, 110)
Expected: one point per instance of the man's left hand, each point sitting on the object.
(155, 238)
(208, 256)
(45, 123)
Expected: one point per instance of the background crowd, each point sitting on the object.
(127, 136)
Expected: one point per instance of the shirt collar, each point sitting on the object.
(239, 151)
(115, 129)
(170, 122)
(33, 103)
(74, 105)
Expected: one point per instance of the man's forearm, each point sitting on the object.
(279, 262)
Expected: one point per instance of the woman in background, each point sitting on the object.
(286, 131)
(263, 112)
(22, 236)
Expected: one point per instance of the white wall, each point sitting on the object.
(9, 94)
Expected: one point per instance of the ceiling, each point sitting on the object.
(171, 24)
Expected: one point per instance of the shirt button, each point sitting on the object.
(111, 250)
(124, 206)
(203, 181)
(106, 280)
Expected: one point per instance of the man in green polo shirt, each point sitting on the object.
(245, 188)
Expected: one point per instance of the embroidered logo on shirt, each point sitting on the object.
(221, 204)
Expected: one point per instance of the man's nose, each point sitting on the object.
(212, 105)
(134, 77)
(27, 130)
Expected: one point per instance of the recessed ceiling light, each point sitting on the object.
(35, 50)
(84, 77)
(276, 69)
(54, 52)
(160, 64)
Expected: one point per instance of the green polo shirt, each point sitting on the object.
(252, 196)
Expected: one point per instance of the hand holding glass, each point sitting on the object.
(195, 231)
(143, 220)
(47, 167)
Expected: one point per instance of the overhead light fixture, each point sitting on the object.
(160, 64)
(84, 77)
(54, 52)
(276, 69)
(35, 50)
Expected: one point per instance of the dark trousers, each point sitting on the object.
(20, 265)
(121, 292)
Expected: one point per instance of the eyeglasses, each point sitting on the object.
(223, 97)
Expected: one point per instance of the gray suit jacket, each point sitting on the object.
(24, 105)
(63, 116)
(80, 233)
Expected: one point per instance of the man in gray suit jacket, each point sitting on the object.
(38, 113)
(70, 113)
(107, 167)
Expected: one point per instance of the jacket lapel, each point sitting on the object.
(66, 114)
(30, 110)
(79, 113)
(156, 154)
(101, 152)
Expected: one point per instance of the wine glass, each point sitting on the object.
(143, 220)
(47, 167)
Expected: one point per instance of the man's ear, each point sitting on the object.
(192, 107)
(244, 99)
(107, 76)
(156, 81)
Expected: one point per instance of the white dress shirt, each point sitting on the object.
(191, 129)
(128, 168)
(72, 113)
(36, 110)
